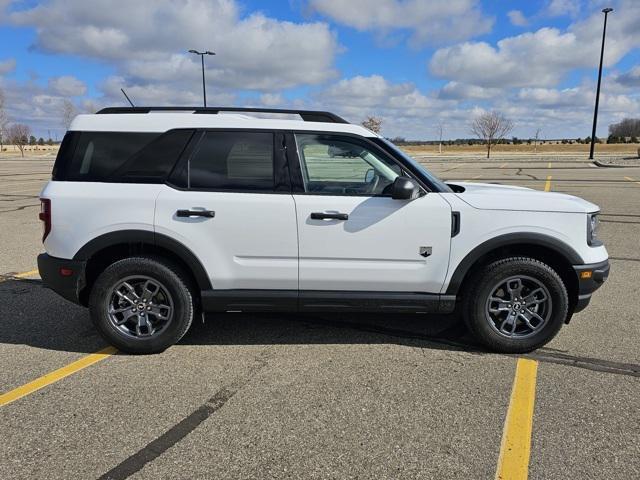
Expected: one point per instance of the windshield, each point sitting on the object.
(439, 184)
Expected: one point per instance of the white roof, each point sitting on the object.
(158, 121)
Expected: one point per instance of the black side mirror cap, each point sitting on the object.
(404, 189)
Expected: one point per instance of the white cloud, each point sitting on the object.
(147, 41)
(7, 66)
(461, 91)
(429, 22)
(567, 112)
(542, 58)
(159, 93)
(271, 99)
(37, 106)
(517, 18)
(410, 113)
(367, 91)
(67, 86)
(404, 109)
(553, 98)
(628, 80)
(558, 8)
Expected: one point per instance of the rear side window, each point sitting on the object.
(118, 156)
(239, 161)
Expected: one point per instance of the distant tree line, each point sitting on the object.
(626, 131)
(629, 127)
(503, 141)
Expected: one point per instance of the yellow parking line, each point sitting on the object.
(547, 186)
(30, 273)
(515, 449)
(55, 376)
(549, 165)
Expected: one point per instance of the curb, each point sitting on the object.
(613, 165)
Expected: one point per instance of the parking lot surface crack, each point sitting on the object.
(541, 355)
(180, 430)
(595, 364)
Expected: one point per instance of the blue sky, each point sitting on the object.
(414, 63)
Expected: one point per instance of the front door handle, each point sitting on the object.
(329, 216)
(196, 213)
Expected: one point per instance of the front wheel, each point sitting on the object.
(141, 305)
(515, 305)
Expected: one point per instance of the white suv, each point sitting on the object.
(154, 215)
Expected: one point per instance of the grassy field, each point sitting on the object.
(31, 151)
(622, 149)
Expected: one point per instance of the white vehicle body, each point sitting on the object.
(259, 245)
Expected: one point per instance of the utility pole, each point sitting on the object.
(606, 12)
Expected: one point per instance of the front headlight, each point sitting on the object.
(593, 224)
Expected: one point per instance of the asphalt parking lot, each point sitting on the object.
(324, 396)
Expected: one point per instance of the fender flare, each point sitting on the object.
(538, 239)
(141, 237)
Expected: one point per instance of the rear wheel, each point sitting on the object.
(515, 305)
(141, 305)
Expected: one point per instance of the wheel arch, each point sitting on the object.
(557, 254)
(102, 251)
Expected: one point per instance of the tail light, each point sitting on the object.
(45, 216)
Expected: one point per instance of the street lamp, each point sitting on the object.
(202, 54)
(606, 12)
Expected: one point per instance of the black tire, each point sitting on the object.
(481, 285)
(172, 280)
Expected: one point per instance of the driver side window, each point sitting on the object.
(334, 165)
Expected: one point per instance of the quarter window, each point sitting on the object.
(119, 156)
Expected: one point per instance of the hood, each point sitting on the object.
(488, 196)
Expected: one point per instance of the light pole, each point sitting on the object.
(606, 12)
(202, 54)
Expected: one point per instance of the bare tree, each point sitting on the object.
(69, 111)
(491, 127)
(4, 120)
(536, 138)
(19, 135)
(629, 127)
(373, 123)
(89, 106)
(439, 131)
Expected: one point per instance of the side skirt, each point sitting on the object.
(325, 301)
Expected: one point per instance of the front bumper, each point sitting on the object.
(65, 277)
(590, 278)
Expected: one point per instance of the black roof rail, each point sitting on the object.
(306, 115)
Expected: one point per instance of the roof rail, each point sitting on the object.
(306, 115)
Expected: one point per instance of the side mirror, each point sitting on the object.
(370, 175)
(404, 189)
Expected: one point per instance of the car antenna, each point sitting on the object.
(127, 97)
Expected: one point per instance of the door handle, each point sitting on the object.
(329, 216)
(195, 213)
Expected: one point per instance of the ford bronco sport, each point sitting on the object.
(154, 215)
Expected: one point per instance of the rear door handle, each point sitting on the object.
(329, 216)
(196, 213)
